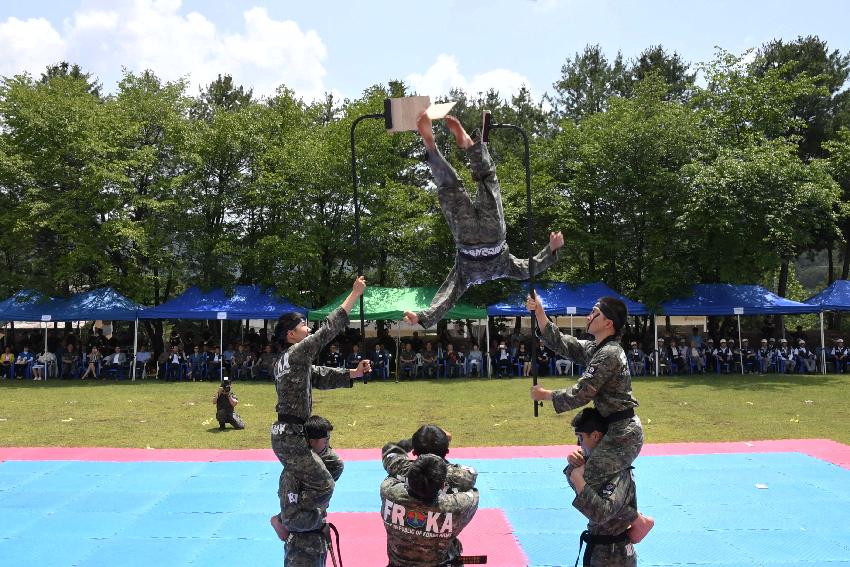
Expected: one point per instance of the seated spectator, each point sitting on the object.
(115, 362)
(41, 365)
(7, 359)
(380, 362)
(237, 363)
(784, 357)
(838, 355)
(197, 363)
(806, 358)
(696, 358)
(748, 356)
(503, 360)
(764, 356)
(523, 357)
(227, 357)
(708, 352)
(723, 357)
(333, 358)
(563, 365)
(264, 368)
(429, 360)
(676, 355)
(544, 356)
(637, 359)
(174, 364)
(454, 362)
(659, 358)
(70, 361)
(143, 360)
(407, 361)
(475, 359)
(354, 357)
(214, 369)
(93, 364)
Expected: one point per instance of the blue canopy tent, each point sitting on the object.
(560, 298)
(246, 302)
(836, 297)
(27, 305)
(731, 299)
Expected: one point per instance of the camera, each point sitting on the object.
(225, 384)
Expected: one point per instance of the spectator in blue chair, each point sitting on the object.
(709, 352)
(637, 359)
(784, 357)
(237, 364)
(748, 355)
(660, 358)
(429, 360)
(475, 360)
(197, 363)
(676, 354)
(503, 360)
(174, 364)
(70, 362)
(454, 362)
(143, 360)
(806, 358)
(7, 360)
(227, 357)
(333, 359)
(544, 359)
(354, 357)
(407, 361)
(839, 355)
(763, 355)
(723, 357)
(23, 364)
(41, 365)
(116, 363)
(563, 365)
(523, 360)
(214, 364)
(380, 361)
(93, 363)
(264, 368)
(695, 358)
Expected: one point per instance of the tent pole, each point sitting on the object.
(740, 352)
(822, 346)
(397, 350)
(221, 352)
(489, 358)
(45, 341)
(655, 345)
(135, 348)
(572, 334)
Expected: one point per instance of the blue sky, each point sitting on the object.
(344, 47)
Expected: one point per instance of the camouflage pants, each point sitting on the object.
(474, 224)
(615, 452)
(292, 449)
(232, 418)
(305, 550)
(614, 555)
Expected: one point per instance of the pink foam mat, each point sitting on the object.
(824, 449)
(362, 534)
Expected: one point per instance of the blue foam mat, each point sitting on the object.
(708, 510)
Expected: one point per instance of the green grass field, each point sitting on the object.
(478, 412)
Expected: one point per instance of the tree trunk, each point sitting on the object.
(782, 287)
(830, 276)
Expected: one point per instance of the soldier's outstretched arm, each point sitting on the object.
(394, 457)
(334, 324)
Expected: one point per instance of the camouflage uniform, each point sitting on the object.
(295, 377)
(479, 231)
(606, 380)
(420, 534)
(460, 478)
(608, 510)
(304, 513)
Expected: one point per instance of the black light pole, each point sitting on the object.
(485, 137)
(387, 116)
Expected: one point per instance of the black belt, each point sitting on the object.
(462, 560)
(289, 418)
(620, 415)
(593, 540)
(497, 251)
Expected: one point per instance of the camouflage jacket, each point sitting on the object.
(608, 509)
(424, 534)
(295, 375)
(305, 508)
(606, 379)
(459, 478)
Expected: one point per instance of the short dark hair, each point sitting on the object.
(286, 323)
(317, 427)
(615, 310)
(589, 420)
(430, 439)
(426, 477)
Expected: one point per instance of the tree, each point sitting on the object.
(73, 71)
(588, 81)
(672, 69)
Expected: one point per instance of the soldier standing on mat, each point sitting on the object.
(606, 380)
(478, 227)
(295, 377)
(608, 509)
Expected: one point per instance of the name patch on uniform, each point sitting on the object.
(293, 497)
(423, 524)
(609, 489)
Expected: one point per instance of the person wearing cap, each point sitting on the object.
(478, 227)
(839, 355)
(695, 358)
(660, 358)
(607, 510)
(607, 382)
(637, 360)
(723, 357)
(295, 377)
(708, 353)
(763, 356)
(806, 358)
(785, 357)
(225, 401)
(676, 353)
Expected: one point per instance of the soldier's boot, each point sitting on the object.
(221, 425)
(640, 527)
(279, 528)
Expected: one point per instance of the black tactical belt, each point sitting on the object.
(289, 418)
(620, 415)
(593, 540)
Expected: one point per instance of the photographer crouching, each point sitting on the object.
(225, 403)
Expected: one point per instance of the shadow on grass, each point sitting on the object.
(767, 382)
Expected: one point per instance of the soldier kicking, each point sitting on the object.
(478, 227)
